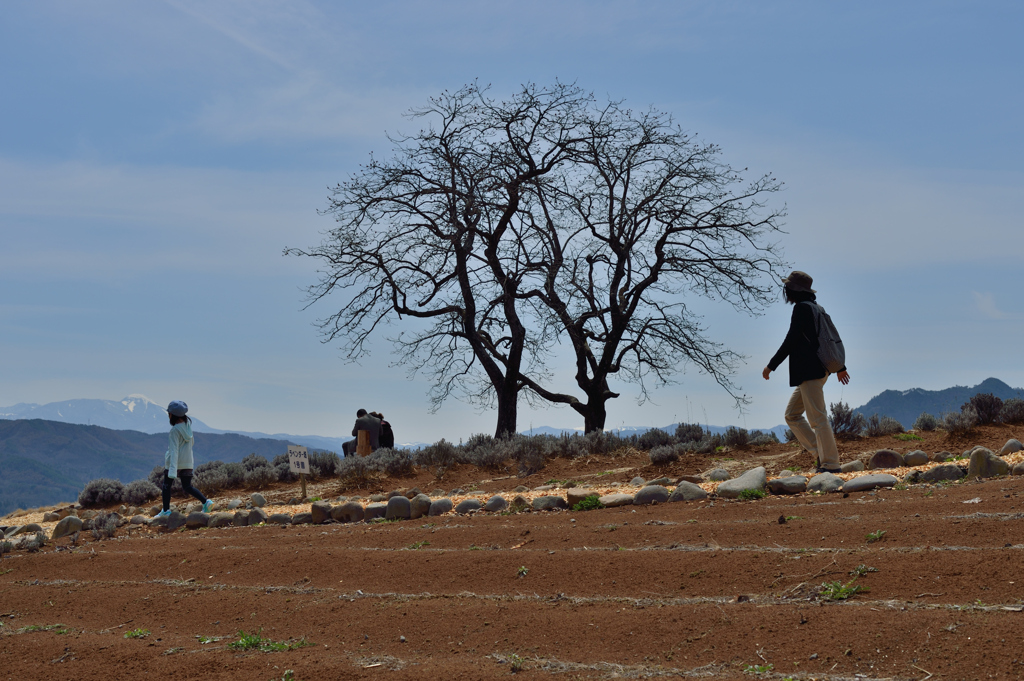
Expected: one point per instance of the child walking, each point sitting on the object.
(178, 459)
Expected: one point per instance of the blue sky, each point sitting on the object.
(155, 159)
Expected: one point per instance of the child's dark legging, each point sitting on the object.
(186, 484)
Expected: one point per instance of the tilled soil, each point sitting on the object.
(715, 589)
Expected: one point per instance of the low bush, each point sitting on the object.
(103, 525)
(283, 468)
(530, 453)
(101, 492)
(323, 464)
(440, 456)
(260, 477)
(483, 451)
(790, 435)
(689, 432)
(708, 443)
(960, 423)
(987, 406)
(396, 463)
(354, 472)
(138, 492)
(254, 461)
(883, 425)
(666, 454)
(1012, 411)
(846, 423)
(759, 439)
(590, 503)
(735, 437)
(926, 422)
(655, 437)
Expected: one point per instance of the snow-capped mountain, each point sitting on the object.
(134, 412)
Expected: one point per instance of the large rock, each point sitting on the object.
(519, 503)
(915, 458)
(235, 504)
(197, 519)
(946, 471)
(419, 506)
(258, 500)
(885, 458)
(794, 484)
(687, 491)
(321, 511)
(852, 466)
(171, 522)
(1019, 468)
(942, 456)
(410, 493)
(719, 475)
(985, 464)
(695, 479)
(25, 529)
(496, 504)
(549, 503)
(613, 500)
(349, 512)
(1010, 447)
(51, 517)
(651, 494)
(258, 516)
(440, 506)
(240, 519)
(303, 518)
(223, 519)
(66, 526)
(638, 482)
(377, 509)
(825, 482)
(754, 479)
(578, 494)
(280, 519)
(664, 482)
(467, 505)
(869, 482)
(399, 508)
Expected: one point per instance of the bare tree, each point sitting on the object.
(436, 233)
(645, 216)
(511, 226)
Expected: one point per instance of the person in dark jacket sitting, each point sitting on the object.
(808, 375)
(368, 423)
(387, 436)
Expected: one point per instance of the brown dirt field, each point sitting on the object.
(705, 590)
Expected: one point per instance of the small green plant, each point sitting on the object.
(265, 645)
(289, 675)
(794, 517)
(751, 494)
(522, 571)
(312, 500)
(418, 545)
(515, 663)
(208, 639)
(877, 535)
(58, 628)
(757, 669)
(862, 570)
(908, 437)
(837, 591)
(793, 469)
(591, 503)
(137, 633)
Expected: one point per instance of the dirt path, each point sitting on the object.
(708, 590)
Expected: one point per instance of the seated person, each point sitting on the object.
(387, 436)
(363, 422)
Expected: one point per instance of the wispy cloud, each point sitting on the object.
(987, 306)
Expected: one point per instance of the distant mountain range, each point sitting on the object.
(906, 405)
(45, 462)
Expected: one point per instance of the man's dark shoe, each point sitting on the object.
(823, 469)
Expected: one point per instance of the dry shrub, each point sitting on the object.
(736, 437)
(101, 492)
(958, 424)
(883, 425)
(104, 525)
(987, 407)
(440, 456)
(396, 463)
(689, 432)
(1012, 411)
(667, 454)
(846, 423)
(138, 492)
(655, 437)
(926, 422)
(260, 477)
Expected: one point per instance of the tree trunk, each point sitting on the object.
(595, 414)
(507, 411)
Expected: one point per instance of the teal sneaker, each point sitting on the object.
(164, 514)
(208, 506)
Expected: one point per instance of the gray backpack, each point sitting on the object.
(830, 346)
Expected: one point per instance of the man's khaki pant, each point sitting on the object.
(816, 436)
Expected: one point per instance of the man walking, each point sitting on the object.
(807, 374)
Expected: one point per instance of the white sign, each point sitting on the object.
(298, 459)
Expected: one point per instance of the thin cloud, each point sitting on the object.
(987, 306)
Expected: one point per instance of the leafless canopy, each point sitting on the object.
(503, 228)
